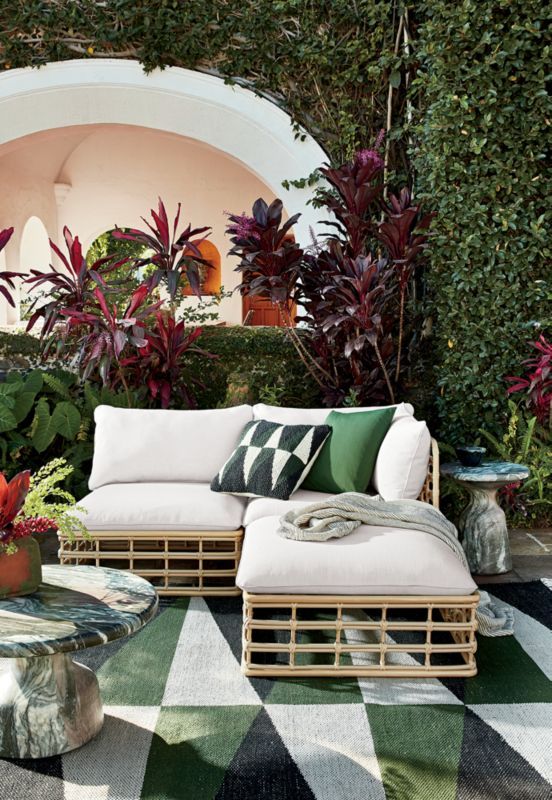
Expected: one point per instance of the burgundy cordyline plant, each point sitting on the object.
(71, 287)
(537, 383)
(101, 334)
(351, 286)
(174, 254)
(404, 236)
(160, 361)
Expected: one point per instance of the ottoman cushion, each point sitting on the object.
(370, 561)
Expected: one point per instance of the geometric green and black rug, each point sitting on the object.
(182, 723)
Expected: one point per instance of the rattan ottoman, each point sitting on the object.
(387, 635)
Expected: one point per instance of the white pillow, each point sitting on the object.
(403, 458)
(317, 416)
(145, 446)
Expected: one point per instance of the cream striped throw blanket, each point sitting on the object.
(343, 513)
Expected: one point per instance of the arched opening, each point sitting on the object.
(114, 138)
(34, 253)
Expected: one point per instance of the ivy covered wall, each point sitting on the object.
(480, 163)
(469, 118)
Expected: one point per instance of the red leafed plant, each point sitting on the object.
(34, 504)
(173, 254)
(537, 383)
(356, 186)
(350, 295)
(12, 497)
(106, 334)
(404, 236)
(161, 361)
(6, 276)
(68, 288)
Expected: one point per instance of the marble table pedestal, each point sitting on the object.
(50, 704)
(484, 531)
(482, 524)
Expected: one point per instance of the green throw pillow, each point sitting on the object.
(271, 460)
(347, 459)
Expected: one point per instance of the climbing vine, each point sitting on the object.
(327, 62)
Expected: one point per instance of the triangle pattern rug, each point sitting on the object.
(183, 723)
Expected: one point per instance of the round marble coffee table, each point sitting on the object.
(483, 522)
(48, 703)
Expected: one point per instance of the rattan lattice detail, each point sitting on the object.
(386, 636)
(430, 489)
(175, 562)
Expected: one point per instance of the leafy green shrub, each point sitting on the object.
(263, 360)
(47, 415)
(479, 160)
(19, 350)
(527, 442)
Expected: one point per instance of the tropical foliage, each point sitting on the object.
(34, 504)
(67, 288)
(172, 254)
(537, 383)
(352, 299)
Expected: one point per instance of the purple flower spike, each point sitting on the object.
(243, 226)
(363, 158)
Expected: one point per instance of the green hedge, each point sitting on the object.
(480, 165)
(252, 365)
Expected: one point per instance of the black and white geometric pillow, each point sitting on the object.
(271, 460)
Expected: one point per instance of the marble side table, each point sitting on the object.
(483, 522)
(48, 703)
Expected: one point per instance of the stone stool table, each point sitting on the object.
(483, 522)
(48, 703)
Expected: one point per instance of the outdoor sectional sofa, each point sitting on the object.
(380, 601)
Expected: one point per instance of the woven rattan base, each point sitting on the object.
(175, 562)
(339, 635)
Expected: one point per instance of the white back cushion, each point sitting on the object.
(142, 445)
(403, 458)
(317, 416)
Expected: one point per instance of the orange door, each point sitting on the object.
(259, 311)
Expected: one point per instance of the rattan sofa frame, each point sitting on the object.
(393, 636)
(177, 563)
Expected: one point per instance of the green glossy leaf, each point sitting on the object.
(66, 420)
(43, 432)
(7, 418)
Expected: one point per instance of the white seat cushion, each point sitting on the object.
(272, 507)
(143, 445)
(161, 507)
(370, 561)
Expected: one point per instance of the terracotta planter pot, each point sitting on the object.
(21, 572)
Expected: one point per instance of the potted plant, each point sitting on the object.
(31, 505)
